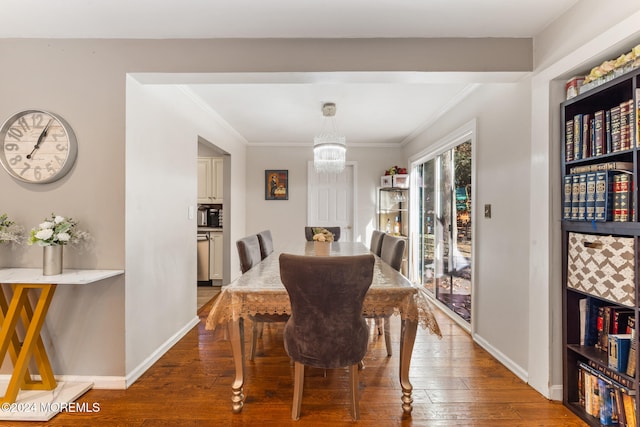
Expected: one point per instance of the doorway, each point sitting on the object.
(331, 200)
(441, 247)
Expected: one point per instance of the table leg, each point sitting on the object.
(407, 339)
(237, 347)
(32, 345)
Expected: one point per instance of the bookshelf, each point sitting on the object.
(392, 210)
(600, 238)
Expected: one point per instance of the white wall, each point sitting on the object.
(287, 218)
(502, 114)
(164, 125)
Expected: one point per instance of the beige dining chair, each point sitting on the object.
(250, 253)
(326, 329)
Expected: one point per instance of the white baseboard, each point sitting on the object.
(118, 382)
(502, 358)
(555, 392)
(160, 351)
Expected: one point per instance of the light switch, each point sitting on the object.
(191, 212)
(487, 211)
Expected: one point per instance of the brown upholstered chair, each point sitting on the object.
(376, 241)
(392, 252)
(266, 243)
(326, 328)
(308, 233)
(249, 251)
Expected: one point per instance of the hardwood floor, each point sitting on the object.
(456, 383)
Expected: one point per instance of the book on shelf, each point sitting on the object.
(629, 403)
(593, 134)
(568, 141)
(607, 131)
(615, 377)
(619, 345)
(637, 119)
(600, 146)
(620, 166)
(577, 137)
(619, 405)
(582, 196)
(566, 201)
(590, 204)
(608, 415)
(603, 210)
(604, 397)
(605, 320)
(589, 308)
(615, 129)
(624, 126)
(587, 142)
(575, 196)
(605, 195)
(622, 209)
(631, 363)
(621, 318)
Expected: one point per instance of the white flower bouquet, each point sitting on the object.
(56, 230)
(9, 230)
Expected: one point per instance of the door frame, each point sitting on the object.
(354, 191)
(466, 132)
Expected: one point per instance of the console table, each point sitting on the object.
(16, 309)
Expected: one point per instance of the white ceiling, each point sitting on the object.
(383, 109)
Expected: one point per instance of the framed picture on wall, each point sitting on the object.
(276, 184)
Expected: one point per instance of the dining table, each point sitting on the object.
(260, 291)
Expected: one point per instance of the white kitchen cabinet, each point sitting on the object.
(210, 181)
(215, 255)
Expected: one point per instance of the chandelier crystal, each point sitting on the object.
(329, 148)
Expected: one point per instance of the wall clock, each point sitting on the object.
(37, 146)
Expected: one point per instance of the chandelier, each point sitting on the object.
(329, 149)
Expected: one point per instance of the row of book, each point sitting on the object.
(591, 194)
(610, 329)
(610, 401)
(602, 132)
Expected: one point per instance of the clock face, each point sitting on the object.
(37, 146)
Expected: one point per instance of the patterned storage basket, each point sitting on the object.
(602, 266)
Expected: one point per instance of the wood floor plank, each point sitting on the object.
(456, 383)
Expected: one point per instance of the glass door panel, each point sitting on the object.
(443, 247)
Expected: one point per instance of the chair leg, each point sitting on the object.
(379, 325)
(387, 335)
(254, 340)
(355, 407)
(298, 385)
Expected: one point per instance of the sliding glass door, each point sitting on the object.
(441, 238)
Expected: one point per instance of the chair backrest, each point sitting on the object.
(308, 233)
(326, 328)
(376, 242)
(392, 250)
(249, 252)
(266, 243)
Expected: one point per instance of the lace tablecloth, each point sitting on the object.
(260, 291)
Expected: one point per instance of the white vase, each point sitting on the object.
(52, 260)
